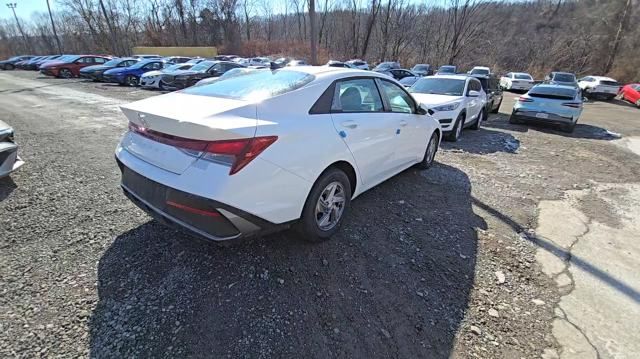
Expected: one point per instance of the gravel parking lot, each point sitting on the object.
(436, 263)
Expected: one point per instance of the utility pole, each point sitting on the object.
(12, 6)
(314, 42)
(53, 25)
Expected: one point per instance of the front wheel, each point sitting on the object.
(325, 207)
(456, 132)
(9, 67)
(497, 109)
(478, 123)
(430, 152)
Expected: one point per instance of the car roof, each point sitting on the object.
(603, 78)
(454, 77)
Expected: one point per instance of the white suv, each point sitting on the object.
(457, 102)
(518, 81)
(599, 86)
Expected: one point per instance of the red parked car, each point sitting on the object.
(631, 93)
(69, 65)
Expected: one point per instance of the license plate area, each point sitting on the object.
(542, 115)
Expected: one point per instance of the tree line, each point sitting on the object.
(586, 36)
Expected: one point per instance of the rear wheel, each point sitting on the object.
(132, 80)
(430, 152)
(456, 132)
(325, 207)
(9, 67)
(65, 73)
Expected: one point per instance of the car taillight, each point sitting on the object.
(235, 153)
(572, 104)
(524, 99)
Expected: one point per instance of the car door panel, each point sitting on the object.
(369, 132)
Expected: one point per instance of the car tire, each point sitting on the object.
(310, 227)
(160, 85)
(132, 80)
(456, 132)
(497, 109)
(481, 115)
(569, 127)
(9, 67)
(430, 152)
(65, 73)
(619, 96)
(513, 120)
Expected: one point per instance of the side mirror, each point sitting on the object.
(473, 93)
(423, 110)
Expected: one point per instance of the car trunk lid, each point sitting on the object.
(180, 118)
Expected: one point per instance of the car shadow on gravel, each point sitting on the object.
(394, 282)
(6, 187)
(582, 130)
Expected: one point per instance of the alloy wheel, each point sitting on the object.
(132, 81)
(65, 73)
(330, 206)
(458, 129)
(431, 149)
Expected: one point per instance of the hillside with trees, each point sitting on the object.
(588, 36)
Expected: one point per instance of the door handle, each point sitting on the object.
(403, 123)
(349, 124)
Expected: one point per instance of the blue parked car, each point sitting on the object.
(131, 75)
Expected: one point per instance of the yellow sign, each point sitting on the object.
(202, 51)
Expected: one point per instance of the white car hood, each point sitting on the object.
(152, 73)
(431, 99)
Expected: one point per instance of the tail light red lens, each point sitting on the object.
(524, 99)
(572, 104)
(235, 153)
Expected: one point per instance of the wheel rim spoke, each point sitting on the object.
(330, 206)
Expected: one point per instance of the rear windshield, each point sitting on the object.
(409, 80)
(557, 93)
(609, 83)
(421, 67)
(203, 66)
(254, 86)
(439, 86)
(564, 77)
(479, 72)
(522, 77)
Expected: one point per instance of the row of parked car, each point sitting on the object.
(197, 158)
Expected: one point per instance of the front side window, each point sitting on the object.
(357, 95)
(398, 99)
(99, 60)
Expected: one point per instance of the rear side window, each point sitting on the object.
(564, 77)
(357, 95)
(254, 86)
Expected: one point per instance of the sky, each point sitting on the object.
(25, 8)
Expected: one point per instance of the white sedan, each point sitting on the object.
(271, 149)
(152, 79)
(516, 81)
(457, 102)
(599, 87)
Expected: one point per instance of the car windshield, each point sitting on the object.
(203, 66)
(177, 67)
(439, 86)
(254, 86)
(479, 72)
(420, 68)
(609, 83)
(557, 93)
(113, 62)
(447, 69)
(384, 66)
(564, 77)
(522, 77)
(408, 81)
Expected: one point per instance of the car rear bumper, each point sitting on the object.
(533, 116)
(200, 216)
(600, 92)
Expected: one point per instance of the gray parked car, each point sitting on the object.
(9, 160)
(561, 78)
(549, 104)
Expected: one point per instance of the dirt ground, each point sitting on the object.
(431, 264)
